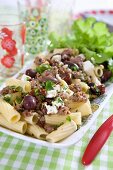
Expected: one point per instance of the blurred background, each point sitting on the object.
(42, 17)
(80, 5)
(83, 5)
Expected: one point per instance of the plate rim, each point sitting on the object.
(94, 12)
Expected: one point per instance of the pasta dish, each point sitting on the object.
(53, 97)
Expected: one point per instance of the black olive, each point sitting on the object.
(101, 88)
(94, 89)
(106, 75)
(29, 102)
(30, 72)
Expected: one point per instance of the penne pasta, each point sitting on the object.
(88, 67)
(99, 70)
(84, 86)
(26, 85)
(72, 104)
(76, 81)
(58, 119)
(31, 119)
(9, 112)
(55, 119)
(85, 109)
(20, 126)
(36, 131)
(76, 117)
(62, 132)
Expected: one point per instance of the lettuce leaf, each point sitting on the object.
(89, 36)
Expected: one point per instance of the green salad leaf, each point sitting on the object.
(92, 38)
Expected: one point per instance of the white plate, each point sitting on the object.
(75, 137)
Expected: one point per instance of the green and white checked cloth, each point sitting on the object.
(16, 154)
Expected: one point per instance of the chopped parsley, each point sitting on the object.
(43, 85)
(49, 85)
(36, 91)
(11, 98)
(74, 68)
(68, 118)
(19, 89)
(40, 69)
(42, 97)
(7, 98)
(59, 100)
(28, 78)
(12, 87)
(18, 100)
(65, 88)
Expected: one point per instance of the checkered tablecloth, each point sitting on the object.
(16, 154)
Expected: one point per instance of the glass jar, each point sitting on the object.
(12, 38)
(35, 14)
(60, 16)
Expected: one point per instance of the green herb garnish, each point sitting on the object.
(19, 89)
(49, 85)
(43, 85)
(28, 78)
(12, 87)
(40, 69)
(59, 100)
(68, 118)
(42, 97)
(7, 99)
(36, 91)
(74, 68)
(18, 100)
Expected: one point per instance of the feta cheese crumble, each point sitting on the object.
(54, 92)
(51, 109)
(58, 102)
